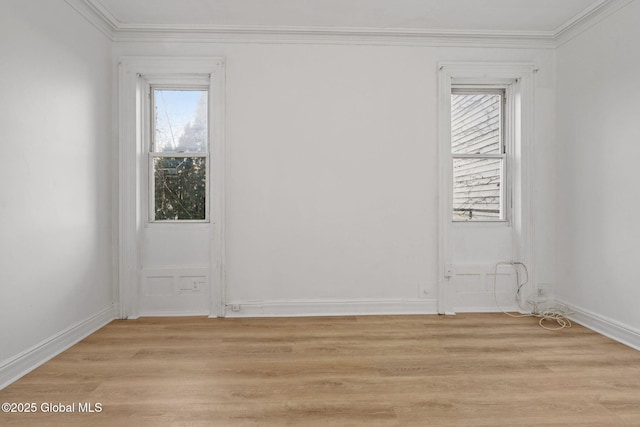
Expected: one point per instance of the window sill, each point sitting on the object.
(177, 224)
(483, 224)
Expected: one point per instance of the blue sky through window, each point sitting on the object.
(180, 120)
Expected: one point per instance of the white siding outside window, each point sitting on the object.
(478, 154)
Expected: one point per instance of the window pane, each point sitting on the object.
(475, 123)
(476, 189)
(180, 121)
(180, 188)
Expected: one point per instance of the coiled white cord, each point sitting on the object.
(551, 314)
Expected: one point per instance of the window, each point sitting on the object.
(179, 153)
(478, 153)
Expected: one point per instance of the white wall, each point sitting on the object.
(55, 174)
(598, 137)
(332, 166)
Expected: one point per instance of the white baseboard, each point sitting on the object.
(603, 325)
(483, 309)
(171, 314)
(330, 308)
(27, 361)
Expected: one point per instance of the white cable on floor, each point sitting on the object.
(556, 314)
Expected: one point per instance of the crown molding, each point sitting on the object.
(254, 34)
(107, 23)
(97, 15)
(587, 19)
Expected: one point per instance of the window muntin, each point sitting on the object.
(478, 154)
(179, 154)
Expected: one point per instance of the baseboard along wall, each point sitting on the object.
(613, 329)
(22, 364)
(329, 308)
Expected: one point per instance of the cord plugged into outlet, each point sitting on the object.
(536, 307)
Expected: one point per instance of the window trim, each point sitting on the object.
(523, 151)
(130, 179)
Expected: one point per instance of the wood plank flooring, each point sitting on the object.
(464, 370)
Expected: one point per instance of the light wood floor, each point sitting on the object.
(469, 369)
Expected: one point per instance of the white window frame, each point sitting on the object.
(174, 82)
(505, 147)
(131, 179)
(519, 79)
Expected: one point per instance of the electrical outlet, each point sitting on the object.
(425, 290)
(449, 270)
(544, 290)
(198, 285)
(191, 284)
(235, 307)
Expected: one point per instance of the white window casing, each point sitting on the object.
(518, 82)
(136, 76)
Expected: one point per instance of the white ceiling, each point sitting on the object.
(513, 16)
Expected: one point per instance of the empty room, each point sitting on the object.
(319, 212)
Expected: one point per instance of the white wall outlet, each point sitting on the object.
(191, 284)
(545, 290)
(449, 270)
(235, 307)
(426, 290)
(198, 285)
